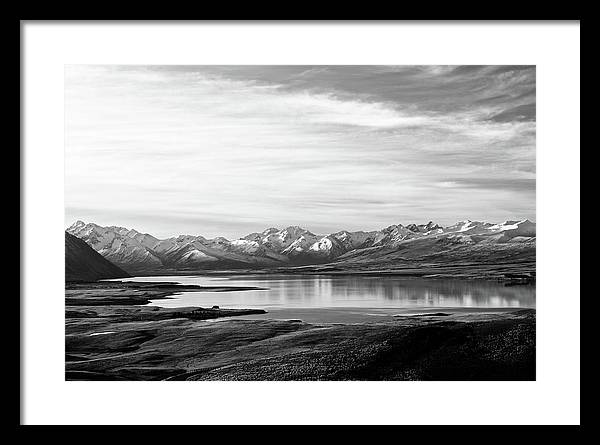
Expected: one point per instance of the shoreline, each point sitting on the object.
(109, 336)
(120, 300)
(510, 273)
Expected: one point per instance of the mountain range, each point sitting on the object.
(409, 245)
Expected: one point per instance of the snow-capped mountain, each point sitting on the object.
(301, 244)
(119, 245)
(280, 240)
(141, 252)
(423, 228)
(354, 240)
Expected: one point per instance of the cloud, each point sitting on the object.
(525, 185)
(228, 150)
(524, 112)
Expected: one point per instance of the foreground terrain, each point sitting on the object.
(110, 335)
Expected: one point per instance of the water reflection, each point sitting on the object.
(348, 291)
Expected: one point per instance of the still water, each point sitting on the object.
(290, 295)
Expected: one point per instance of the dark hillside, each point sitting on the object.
(82, 263)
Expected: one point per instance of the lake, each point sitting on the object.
(319, 298)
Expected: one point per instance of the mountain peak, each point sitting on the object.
(432, 226)
(295, 229)
(423, 227)
(76, 225)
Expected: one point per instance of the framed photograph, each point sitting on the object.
(300, 223)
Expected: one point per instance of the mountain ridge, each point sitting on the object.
(134, 251)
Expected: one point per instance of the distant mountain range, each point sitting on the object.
(82, 263)
(412, 244)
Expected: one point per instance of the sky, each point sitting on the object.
(230, 150)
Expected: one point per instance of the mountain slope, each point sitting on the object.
(82, 263)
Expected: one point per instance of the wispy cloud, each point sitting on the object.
(228, 150)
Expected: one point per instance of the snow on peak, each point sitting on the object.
(76, 225)
(422, 227)
(324, 244)
(294, 231)
(466, 226)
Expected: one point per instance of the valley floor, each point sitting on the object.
(110, 335)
